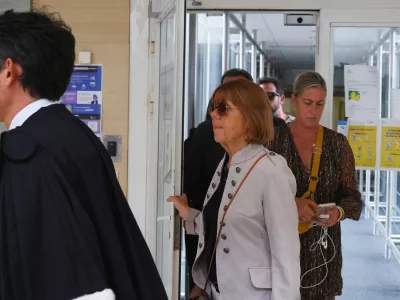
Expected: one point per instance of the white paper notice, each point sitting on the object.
(395, 104)
(361, 91)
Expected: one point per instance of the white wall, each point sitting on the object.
(17, 5)
(159, 5)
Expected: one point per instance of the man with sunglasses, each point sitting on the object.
(274, 92)
(201, 158)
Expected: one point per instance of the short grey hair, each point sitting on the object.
(306, 80)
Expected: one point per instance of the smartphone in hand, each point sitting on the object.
(324, 207)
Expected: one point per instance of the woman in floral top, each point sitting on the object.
(337, 183)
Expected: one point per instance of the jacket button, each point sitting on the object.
(226, 250)
(223, 236)
(233, 182)
(238, 170)
(230, 196)
(200, 245)
(213, 185)
(272, 153)
(219, 173)
(223, 224)
(225, 207)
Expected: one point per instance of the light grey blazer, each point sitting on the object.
(258, 255)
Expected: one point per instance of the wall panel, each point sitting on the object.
(102, 27)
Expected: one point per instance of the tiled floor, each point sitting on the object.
(367, 275)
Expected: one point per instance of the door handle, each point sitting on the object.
(164, 218)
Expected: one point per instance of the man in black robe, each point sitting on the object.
(66, 230)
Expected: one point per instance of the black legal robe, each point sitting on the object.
(66, 229)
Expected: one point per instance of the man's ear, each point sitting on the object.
(282, 100)
(12, 71)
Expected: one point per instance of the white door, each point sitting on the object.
(169, 107)
(368, 37)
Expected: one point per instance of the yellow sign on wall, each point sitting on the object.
(390, 147)
(362, 140)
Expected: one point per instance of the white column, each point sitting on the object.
(242, 54)
(254, 57)
(225, 44)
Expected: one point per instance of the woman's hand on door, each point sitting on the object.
(181, 204)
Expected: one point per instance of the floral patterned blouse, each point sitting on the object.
(337, 183)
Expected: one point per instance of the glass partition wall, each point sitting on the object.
(222, 42)
(380, 189)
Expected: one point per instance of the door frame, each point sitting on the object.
(177, 136)
(254, 5)
(331, 18)
(266, 11)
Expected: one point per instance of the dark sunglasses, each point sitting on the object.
(221, 108)
(271, 95)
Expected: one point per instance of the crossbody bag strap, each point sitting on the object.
(316, 162)
(223, 217)
(305, 226)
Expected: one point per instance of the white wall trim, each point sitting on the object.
(361, 17)
(152, 138)
(291, 4)
(323, 67)
(138, 110)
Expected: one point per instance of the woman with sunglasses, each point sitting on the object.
(321, 160)
(248, 240)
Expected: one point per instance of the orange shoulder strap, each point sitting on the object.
(304, 226)
(315, 165)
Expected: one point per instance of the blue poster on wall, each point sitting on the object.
(84, 95)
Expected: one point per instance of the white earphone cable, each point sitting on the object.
(321, 242)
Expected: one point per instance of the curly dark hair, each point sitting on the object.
(44, 46)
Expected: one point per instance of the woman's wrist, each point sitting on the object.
(341, 213)
(185, 212)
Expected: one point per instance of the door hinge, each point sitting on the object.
(152, 42)
(151, 102)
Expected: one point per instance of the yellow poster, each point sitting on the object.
(390, 147)
(362, 140)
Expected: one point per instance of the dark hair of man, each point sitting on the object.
(44, 46)
(230, 73)
(236, 72)
(274, 81)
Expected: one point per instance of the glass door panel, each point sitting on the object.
(166, 147)
(374, 46)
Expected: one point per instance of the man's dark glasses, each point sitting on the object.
(271, 95)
